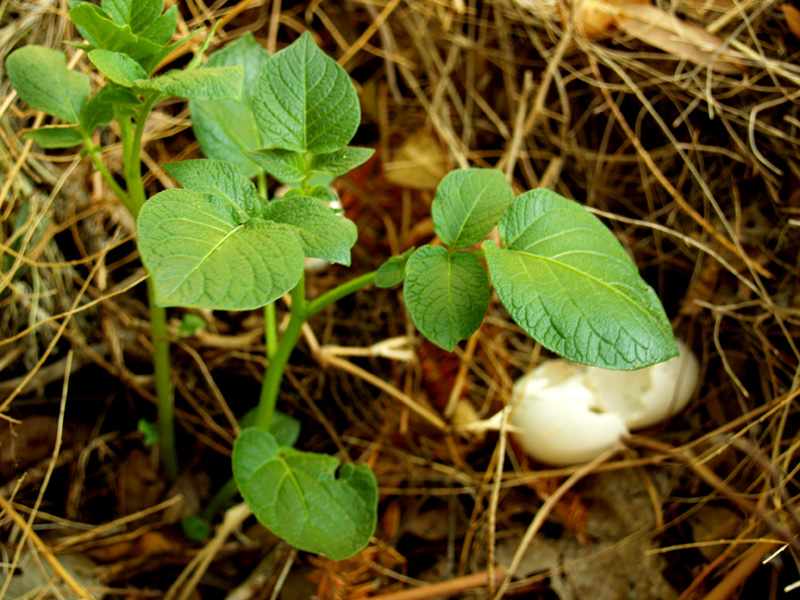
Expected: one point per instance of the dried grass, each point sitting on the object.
(696, 171)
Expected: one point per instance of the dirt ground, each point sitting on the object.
(679, 128)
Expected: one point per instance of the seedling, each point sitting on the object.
(219, 244)
(126, 40)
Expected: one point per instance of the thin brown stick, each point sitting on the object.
(447, 588)
(461, 376)
(187, 581)
(544, 512)
(740, 573)
(370, 31)
(65, 575)
(716, 482)
(665, 182)
(408, 401)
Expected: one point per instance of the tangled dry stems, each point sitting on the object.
(696, 171)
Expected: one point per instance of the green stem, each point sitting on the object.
(131, 148)
(104, 172)
(339, 292)
(270, 330)
(132, 160)
(261, 182)
(163, 384)
(272, 380)
(301, 312)
(270, 326)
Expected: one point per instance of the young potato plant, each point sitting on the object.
(218, 243)
(126, 40)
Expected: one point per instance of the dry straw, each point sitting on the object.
(681, 132)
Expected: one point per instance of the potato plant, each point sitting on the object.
(219, 243)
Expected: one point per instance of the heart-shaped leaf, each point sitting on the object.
(568, 282)
(446, 294)
(310, 500)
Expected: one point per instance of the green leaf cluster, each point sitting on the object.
(446, 291)
(560, 273)
(126, 40)
(294, 121)
(215, 244)
(139, 29)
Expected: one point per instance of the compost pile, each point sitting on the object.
(675, 121)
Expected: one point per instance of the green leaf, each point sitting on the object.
(567, 281)
(55, 137)
(286, 166)
(222, 180)
(202, 254)
(102, 33)
(310, 500)
(199, 84)
(284, 428)
(149, 430)
(196, 528)
(226, 129)
(304, 101)
(162, 30)
(341, 161)
(468, 204)
(41, 78)
(117, 67)
(96, 113)
(324, 233)
(393, 271)
(100, 108)
(323, 193)
(191, 324)
(446, 294)
(136, 13)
